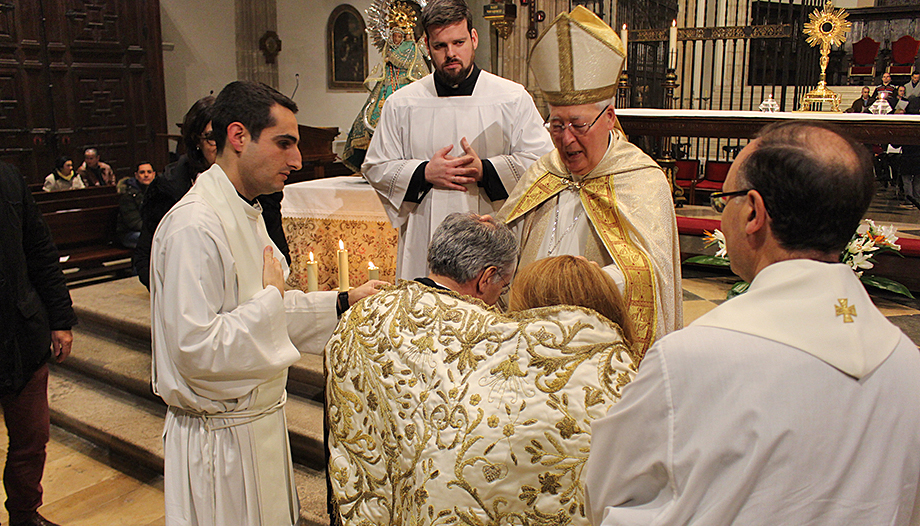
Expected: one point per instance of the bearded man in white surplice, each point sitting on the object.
(457, 140)
(224, 329)
(794, 403)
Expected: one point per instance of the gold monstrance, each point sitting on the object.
(829, 28)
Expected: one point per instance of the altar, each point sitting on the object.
(317, 214)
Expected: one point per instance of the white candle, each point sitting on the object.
(372, 271)
(312, 283)
(624, 36)
(343, 267)
(672, 45)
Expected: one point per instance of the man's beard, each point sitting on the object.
(454, 79)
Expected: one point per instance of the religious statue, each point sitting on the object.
(392, 31)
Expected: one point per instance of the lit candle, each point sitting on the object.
(343, 267)
(312, 284)
(672, 45)
(625, 38)
(372, 271)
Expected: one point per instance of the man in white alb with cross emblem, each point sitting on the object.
(794, 403)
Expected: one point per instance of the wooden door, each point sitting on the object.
(77, 74)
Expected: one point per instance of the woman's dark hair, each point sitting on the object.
(196, 120)
(60, 162)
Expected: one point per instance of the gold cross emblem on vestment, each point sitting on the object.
(847, 311)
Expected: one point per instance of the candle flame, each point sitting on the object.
(673, 23)
(624, 27)
(341, 245)
(370, 265)
(311, 257)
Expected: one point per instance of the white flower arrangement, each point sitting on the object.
(869, 240)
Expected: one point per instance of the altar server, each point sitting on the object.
(225, 331)
(457, 140)
(794, 403)
(596, 195)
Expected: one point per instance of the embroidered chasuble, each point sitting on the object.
(629, 222)
(442, 410)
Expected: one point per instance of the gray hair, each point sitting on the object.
(463, 246)
(601, 104)
(438, 13)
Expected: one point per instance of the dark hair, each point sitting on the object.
(60, 162)
(438, 13)
(193, 125)
(250, 104)
(815, 189)
(137, 167)
(463, 246)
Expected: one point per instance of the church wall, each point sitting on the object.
(199, 52)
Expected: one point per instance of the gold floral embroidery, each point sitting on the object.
(444, 411)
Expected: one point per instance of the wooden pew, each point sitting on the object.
(85, 238)
(74, 194)
(76, 203)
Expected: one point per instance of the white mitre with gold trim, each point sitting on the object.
(578, 59)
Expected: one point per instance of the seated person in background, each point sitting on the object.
(794, 403)
(63, 177)
(570, 280)
(129, 207)
(861, 105)
(899, 102)
(885, 87)
(178, 178)
(93, 171)
(440, 406)
(912, 88)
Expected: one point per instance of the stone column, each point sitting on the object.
(253, 19)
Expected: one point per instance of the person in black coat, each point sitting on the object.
(166, 190)
(36, 315)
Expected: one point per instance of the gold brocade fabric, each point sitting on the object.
(444, 411)
(365, 240)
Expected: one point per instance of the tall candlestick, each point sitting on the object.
(372, 271)
(343, 267)
(312, 283)
(624, 36)
(672, 45)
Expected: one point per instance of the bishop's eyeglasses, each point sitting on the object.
(718, 200)
(557, 128)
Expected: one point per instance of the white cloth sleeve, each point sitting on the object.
(628, 472)
(311, 319)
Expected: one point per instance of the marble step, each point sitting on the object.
(121, 310)
(123, 362)
(131, 426)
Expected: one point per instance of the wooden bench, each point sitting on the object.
(74, 194)
(85, 238)
(76, 203)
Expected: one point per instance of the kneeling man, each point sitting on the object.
(441, 409)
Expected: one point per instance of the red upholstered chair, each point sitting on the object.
(713, 176)
(864, 53)
(688, 171)
(903, 54)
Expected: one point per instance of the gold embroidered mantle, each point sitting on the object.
(628, 203)
(445, 411)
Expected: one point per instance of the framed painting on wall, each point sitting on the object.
(346, 49)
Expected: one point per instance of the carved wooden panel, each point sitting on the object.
(89, 76)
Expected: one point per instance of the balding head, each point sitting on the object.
(816, 184)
